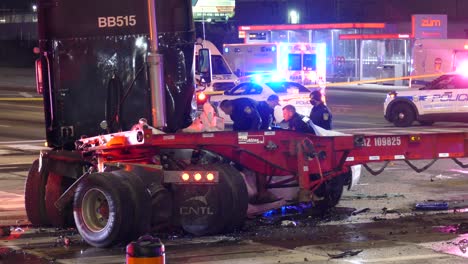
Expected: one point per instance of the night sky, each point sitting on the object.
(16, 4)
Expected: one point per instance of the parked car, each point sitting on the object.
(288, 93)
(444, 99)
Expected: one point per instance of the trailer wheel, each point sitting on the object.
(240, 197)
(56, 185)
(140, 200)
(102, 210)
(330, 193)
(34, 194)
(204, 209)
(403, 115)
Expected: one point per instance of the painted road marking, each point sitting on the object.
(24, 94)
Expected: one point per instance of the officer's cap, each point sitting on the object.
(274, 98)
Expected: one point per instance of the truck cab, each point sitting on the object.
(222, 76)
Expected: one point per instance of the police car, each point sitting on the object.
(288, 92)
(444, 99)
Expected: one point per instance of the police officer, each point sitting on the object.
(243, 112)
(296, 121)
(266, 110)
(320, 114)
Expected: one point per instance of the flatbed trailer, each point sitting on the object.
(160, 186)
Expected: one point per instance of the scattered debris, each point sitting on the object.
(442, 177)
(385, 211)
(462, 245)
(288, 223)
(373, 197)
(365, 210)
(63, 241)
(432, 206)
(4, 231)
(348, 253)
(376, 218)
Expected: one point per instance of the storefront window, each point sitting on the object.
(279, 36)
(384, 58)
(298, 36)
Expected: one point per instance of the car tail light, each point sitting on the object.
(39, 78)
(201, 98)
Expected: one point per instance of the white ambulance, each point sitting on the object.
(222, 76)
(304, 63)
(434, 57)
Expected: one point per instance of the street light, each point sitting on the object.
(34, 8)
(293, 17)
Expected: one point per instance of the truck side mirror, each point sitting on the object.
(204, 65)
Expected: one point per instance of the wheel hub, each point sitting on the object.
(95, 210)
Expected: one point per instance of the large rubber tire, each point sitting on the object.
(203, 209)
(34, 194)
(330, 193)
(141, 201)
(102, 210)
(403, 115)
(240, 197)
(56, 185)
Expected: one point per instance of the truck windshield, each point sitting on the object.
(219, 65)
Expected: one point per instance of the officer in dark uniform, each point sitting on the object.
(296, 121)
(266, 109)
(243, 112)
(320, 114)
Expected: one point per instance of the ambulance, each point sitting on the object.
(222, 77)
(304, 63)
(434, 57)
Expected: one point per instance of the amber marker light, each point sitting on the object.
(197, 176)
(185, 176)
(210, 176)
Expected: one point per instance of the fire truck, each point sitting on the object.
(117, 79)
(304, 63)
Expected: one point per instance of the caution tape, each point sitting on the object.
(377, 80)
(307, 86)
(21, 99)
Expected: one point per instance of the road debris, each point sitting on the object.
(63, 241)
(432, 206)
(348, 253)
(373, 197)
(385, 211)
(364, 210)
(288, 223)
(4, 231)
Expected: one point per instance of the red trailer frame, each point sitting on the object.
(284, 153)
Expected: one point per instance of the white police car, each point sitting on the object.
(288, 92)
(443, 100)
